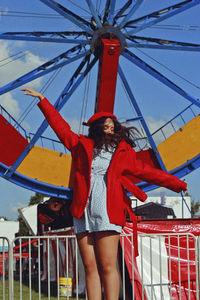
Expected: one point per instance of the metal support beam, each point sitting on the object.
(147, 68)
(68, 15)
(34, 38)
(132, 11)
(121, 11)
(107, 7)
(154, 43)
(72, 85)
(139, 113)
(161, 15)
(111, 11)
(94, 13)
(46, 68)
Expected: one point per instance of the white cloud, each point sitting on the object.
(10, 104)
(11, 69)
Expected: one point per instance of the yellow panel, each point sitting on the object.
(48, 166)
(183, 145)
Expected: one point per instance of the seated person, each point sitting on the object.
(54, 214)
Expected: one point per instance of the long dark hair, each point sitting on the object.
(96, 132)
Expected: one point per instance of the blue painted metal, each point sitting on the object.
(111, 11)
(152, 43)
(64, 97)
(44, 69)
(183, 200)
(69, 15)
(135, 119)
(63, 34)
(107, 6)
(147, 68)
(162, 47)
(94, 13)
(161, 15)
(121, 11)
(175, 117)
(139, 113)
(63, 40)
(132, 11)
(37, 186)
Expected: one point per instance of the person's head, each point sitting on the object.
(107, 130)
(101, 126)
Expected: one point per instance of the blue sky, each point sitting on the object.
(157, 102)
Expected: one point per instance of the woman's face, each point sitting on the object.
(109, 127)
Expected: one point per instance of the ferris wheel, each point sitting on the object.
(104, 45)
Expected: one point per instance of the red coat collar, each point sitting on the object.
(88, 145)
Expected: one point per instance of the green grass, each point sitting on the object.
(34, 291)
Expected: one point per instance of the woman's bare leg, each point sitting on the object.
(87, 251)
(106, 246)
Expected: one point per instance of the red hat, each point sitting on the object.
(99, 115)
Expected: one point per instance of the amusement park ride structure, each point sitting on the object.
(104, 38)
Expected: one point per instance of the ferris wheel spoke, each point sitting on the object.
(158, 16)
(153, 72)
(53, 37)
(107, 7)
(55, 63)
(139, 114)
(94, 13)
(122, 10)
(111, 11)
(132, 11)
(49, 33)
(70, 88)
(75, 80)
(154, 43)
(80, 22)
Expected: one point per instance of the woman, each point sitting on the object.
(104, 166)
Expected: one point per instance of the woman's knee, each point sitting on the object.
(90, 266)
(108, 268)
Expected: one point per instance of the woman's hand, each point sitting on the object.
(33, 93)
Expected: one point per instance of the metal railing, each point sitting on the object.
(4, 268)
(35, 267)
(175, 123)
(169, 266)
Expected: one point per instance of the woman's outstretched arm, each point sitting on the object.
(55, 120)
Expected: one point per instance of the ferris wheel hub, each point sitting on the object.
(107, 32)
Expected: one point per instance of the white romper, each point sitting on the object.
(95, 217)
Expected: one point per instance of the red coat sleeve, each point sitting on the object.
(58, 124)
(154, 176)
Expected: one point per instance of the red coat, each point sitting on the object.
(124, 170)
